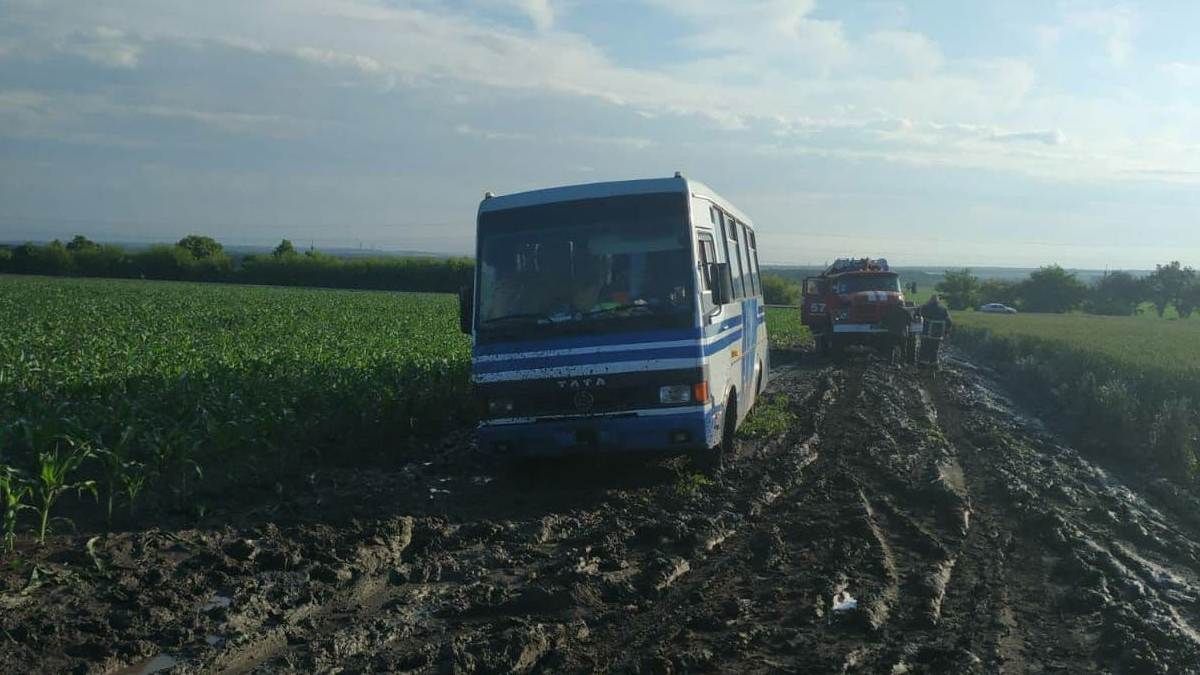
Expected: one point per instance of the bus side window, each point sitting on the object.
(706, 254)
(748, 264)
(752, 253)
(735, 259)
(721, 221)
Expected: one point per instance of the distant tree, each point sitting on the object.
(103, 260)
(80, 243)
(164, 262)
(779, 291)
(1003, 291)
(284, 249)
(1052, 289)
(1166, 284)
(54, 258)
(201, 247)
(1188, 300)
(959, 288)
(1115, 294)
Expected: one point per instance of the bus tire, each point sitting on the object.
(712, 460)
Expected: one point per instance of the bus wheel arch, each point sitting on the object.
(731, 412)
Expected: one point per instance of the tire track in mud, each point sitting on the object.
(1073, 529)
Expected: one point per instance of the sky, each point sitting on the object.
(992, 132)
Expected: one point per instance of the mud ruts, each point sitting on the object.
(906, 522)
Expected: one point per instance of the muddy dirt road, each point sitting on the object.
(904, 523)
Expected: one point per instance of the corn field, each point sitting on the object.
(128, 391)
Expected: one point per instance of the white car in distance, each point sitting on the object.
(997, 308)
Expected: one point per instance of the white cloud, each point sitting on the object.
(746, 69)
(1182, 74)
(331, 58)
(1047, 137)
(104, 46)
(904, 52)
(540, 12)
(1116, 26)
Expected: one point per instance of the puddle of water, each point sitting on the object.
(214, 640)
(149, 666)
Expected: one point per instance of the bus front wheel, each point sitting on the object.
(711, 460)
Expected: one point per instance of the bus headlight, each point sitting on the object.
(500, 406)
(675, 393)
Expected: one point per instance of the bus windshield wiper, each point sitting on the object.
(514, 318)
(617, 308)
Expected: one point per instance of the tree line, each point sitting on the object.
(201, 258)
(1053, 289)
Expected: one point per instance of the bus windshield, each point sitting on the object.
(598, 264)
(857, 283)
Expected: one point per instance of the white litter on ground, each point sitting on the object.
(844, 602)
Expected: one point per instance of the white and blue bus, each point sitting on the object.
(621, 316)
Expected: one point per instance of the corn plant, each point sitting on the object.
(133, 480)
(116, 465)
(55, 470)
(15, 489)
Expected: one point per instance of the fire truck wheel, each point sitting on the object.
(837, 349)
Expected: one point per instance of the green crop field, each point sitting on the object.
(112, 386)
(131, 383)
(784, 329)
(1156, 345)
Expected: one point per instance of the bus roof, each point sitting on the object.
(567, 193)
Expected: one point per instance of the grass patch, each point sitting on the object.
(688, 483)
(1120, 387)
(784, 329)
(772, 416)
(1172, 347)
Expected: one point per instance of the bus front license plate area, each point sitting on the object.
(587, 437)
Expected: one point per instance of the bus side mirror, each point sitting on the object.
(466, 308)
(722, 278)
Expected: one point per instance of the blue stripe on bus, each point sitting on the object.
(588, 359)
(725, 325)
(588, 341)
(595, 358)
(724, 342)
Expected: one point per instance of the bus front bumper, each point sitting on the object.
(662, 430)
(869, 328)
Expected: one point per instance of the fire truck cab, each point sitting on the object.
(856, 301)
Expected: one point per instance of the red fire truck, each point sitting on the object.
(859, 301)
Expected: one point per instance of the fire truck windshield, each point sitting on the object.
(867, 282)
(602, 264)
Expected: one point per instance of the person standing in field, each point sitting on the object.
(934, 312)
(896, 321)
